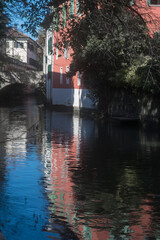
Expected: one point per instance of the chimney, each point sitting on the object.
(15, 26)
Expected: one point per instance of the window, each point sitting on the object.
(31, 47)
(49, 45)
(66, 51)
(154, 2)
(18, 45)
(49, 68)
(67, 78)
(61, 75)
(33, 62)
(56, 19)
(7, 44)
(79, 79)
(64, 15)
(79, 7)
(49, 71)
(57, 52)
(71, 8)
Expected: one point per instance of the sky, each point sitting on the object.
(19, 22)
(15, 19)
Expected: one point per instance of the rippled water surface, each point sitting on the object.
(66, 177)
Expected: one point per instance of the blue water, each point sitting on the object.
(67, 177)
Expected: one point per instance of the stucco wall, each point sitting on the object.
(19, 53)
(77, 98)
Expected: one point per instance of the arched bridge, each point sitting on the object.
(31, 79)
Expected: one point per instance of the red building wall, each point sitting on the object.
(151, 13)
(62, 62)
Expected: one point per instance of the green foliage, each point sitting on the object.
(110, 41)
(112, 46)
(107, 45)
(4, 20)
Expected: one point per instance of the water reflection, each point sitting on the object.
(102, 178)
(66, 177)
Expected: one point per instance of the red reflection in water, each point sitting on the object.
(64, 159)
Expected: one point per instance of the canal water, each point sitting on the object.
(67, 177)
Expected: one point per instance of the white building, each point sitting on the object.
(22, 48)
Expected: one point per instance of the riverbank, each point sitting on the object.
(122, 106)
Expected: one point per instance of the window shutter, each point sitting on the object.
(132, 2)
(61, 75)
(79, 7)
(71, 8)
(50, 45)
(79, 78)
(56, 20)
(64, 15)
(49, 71)
(49, 68)
(67, 78)
(15, 45)
(7, 44)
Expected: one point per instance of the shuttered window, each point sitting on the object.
(49, 71)
(79, 78)
(79, 7)
(132, 2)
(49, 68)
(61, 75)
(67, 78)
(57, 52)
(66, 50)
(64, 15)
(7, 44)
(50, 45)
(71, 8)
(56, 19)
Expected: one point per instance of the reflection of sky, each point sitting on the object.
(23, 206)
(23, 203)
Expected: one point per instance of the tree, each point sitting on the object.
(112, 46)
(110, 41)
(41, 37)
(106, 40)
(4, 20)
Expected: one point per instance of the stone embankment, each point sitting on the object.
(124, 103)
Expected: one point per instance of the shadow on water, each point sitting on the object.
(16, 94)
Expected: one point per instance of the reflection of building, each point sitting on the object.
(59, 161)
(70, 198)
(22, 48)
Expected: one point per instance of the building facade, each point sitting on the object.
(62, 90)
(23, 49)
